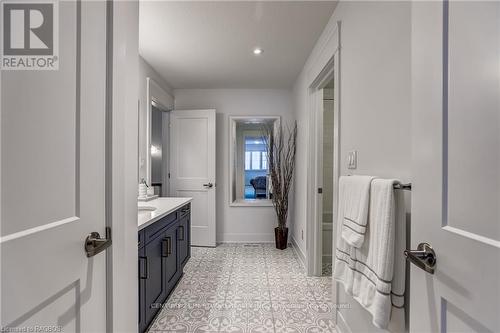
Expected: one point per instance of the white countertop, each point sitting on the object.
(164, 206)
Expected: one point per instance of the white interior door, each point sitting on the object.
(456, 165)
(192, 168)
(53, 182)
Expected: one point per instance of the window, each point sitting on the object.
(248, 160)
(264, 160)
(255, 153)
(256, 160)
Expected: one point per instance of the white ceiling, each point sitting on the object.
(206, 44)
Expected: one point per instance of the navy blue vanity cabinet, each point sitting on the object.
(157, 251)
(163, 252)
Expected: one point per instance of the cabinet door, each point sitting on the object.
(155, 287)
(143, 272)
(183, 242)
(171, 260)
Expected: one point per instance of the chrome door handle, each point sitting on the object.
(209, 185)
(94, 244)
(423, 257)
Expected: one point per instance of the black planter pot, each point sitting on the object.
(281, 238)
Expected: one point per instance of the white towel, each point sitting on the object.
(399, 278)
(367, 272)
(356, 193)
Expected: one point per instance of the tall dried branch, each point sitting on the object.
(282, 148)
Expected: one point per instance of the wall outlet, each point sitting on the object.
(352, 159)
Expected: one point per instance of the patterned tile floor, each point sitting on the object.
(327, 270)
(247, 288)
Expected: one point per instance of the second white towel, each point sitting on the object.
(356, 191)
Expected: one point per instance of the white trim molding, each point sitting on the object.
(298, 251)
(324, 66)
(245, 238)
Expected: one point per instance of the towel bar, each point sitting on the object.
(406, 187)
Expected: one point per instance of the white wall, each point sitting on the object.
(374, 109)
(145, 71)
(124, 159)
(238, 224)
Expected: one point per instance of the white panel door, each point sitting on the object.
(192, 168)
(53, 182)
(456, 165)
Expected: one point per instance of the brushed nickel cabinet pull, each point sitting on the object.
(166, 247)
(146, 268)
(181, 232)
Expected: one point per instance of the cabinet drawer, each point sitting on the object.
(185, 210)
(151, 231)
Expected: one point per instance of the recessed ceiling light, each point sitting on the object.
(257, 51)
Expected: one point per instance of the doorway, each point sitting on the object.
(325, 82)
(326, 215)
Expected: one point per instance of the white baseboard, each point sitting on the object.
(245, 238)
(298, 251)
(342, 326)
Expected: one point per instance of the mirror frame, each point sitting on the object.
(233, 120)
(154, 94)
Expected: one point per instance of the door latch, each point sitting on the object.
(94, 244)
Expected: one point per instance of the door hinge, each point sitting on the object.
(320, 190)
(169, 175)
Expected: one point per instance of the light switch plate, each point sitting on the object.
(352, 159)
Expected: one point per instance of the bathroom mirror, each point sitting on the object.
(157, 138)
(249, 176)
(158, 150)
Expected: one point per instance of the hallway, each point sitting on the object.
(247, 288)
